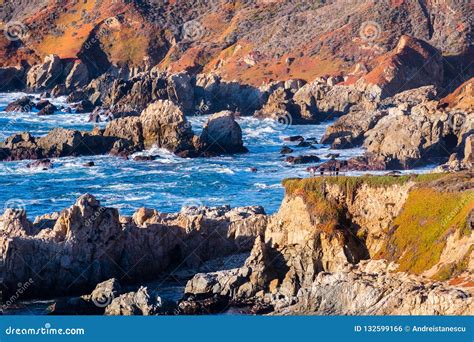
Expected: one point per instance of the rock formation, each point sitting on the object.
(310, 259)
(89, 243)
(222, 135)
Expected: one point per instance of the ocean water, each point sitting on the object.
(166, 184)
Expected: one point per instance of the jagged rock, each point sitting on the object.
(412, 64)
(45, 75)
(135, 303)
(59, 142)
(59, 90)
(373, 288)
(77, 77)
(48, 110)
(217, 95)
(425, 136)
(23, 104)
(164, 125)
(222, 135)
(90, 243)
(84, 106)
(129, 129)
(351, 128)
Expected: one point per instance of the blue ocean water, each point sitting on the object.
(166, 184)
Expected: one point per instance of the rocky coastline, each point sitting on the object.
(333, 239)
(387, 85)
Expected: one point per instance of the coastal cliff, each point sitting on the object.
(314, 255)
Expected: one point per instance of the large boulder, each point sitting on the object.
(45, 75)
(23, 104)
(78, 76)
(412, 64)
(165, 126)
(135, 303)
(222, 135)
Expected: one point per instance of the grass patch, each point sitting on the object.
(420, 231)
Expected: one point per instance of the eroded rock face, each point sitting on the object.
(373, 288)
(300, 266)
(422, 136)
(222, 135)
(88, 243)
(45, 75)
(77, 77)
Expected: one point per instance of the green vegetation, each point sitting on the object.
(329, 215)
(298, 185)
(420, 231)
(433, 211)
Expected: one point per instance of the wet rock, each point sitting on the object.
(59, 90)
(48, 110)
(286, 150)
(222, 134)
(145, 158)
(77, 96)
(43, 164)
(302, 159)
(41, 104)
(294, 138)
(23, 104)
(84, 106)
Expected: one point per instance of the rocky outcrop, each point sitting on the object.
(165, 126)
(421, 136)
(214, 94)
(45, 75)
(59, 142)
(373, 288)
(23, 104)
(222, 135)
(135, 303)
(412, 64)
(310, 260)
(89, 243)
(77, 77)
